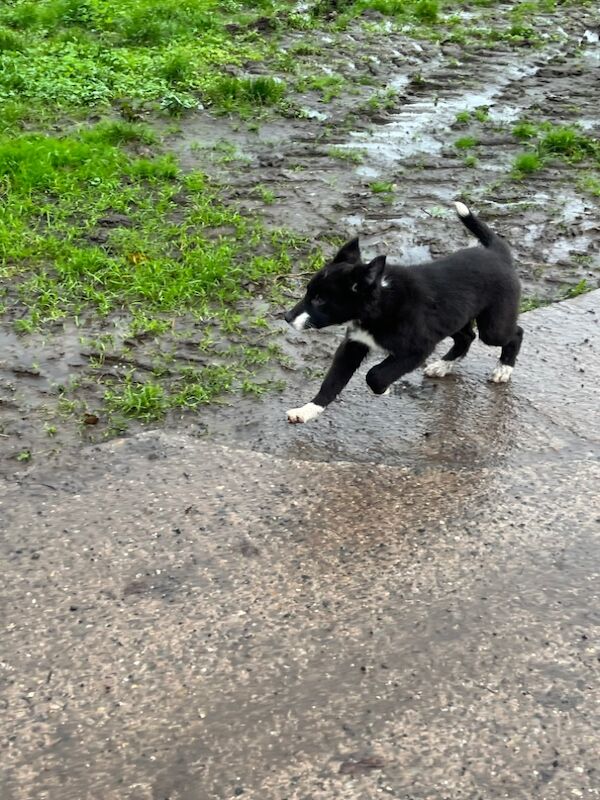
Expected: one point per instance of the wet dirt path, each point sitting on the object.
(192, 621)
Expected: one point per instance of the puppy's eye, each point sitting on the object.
(317, 301)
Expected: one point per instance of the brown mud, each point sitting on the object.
(408, 141)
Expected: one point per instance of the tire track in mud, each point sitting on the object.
(552, 225)
(546, 218)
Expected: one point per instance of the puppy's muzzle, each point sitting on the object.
(298, 320)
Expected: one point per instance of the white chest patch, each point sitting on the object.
(358, 334)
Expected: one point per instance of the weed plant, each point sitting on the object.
(564, 142)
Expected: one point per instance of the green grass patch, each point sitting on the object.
(229, 92)
(580, 288)
(527, 163)
(480, 114)
(525, 130)
(346, 154)
(383, 99)
(330, 86)
(10, 40)
(465, 143)
(424, 11)
(265, 194)
(190, 389)
(566, 142)
(146, 401)
(591, 184)
(84, 222)
(70, 54)
(531, 303)
(381, 187)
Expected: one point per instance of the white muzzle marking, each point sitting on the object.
(300, 322)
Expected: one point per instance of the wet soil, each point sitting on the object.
(553, 225)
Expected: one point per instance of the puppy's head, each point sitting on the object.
(338, 292)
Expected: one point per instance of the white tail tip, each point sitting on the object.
(462, 210)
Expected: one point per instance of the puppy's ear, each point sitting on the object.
(374, 270)
(348, 254)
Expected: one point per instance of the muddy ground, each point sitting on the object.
(407, 140)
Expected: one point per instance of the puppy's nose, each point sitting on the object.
(289, 316)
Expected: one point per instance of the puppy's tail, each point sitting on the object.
(479, 229)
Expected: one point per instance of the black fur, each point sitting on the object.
(407, 311)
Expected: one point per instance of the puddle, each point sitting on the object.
(368, 172)
(504, 114)
(565, 249)
(37, 361)
(414, 254)
(354, 221)
(312, 113)
(399, 83)
(421, 128)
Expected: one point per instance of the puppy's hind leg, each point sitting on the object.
(381, 376)
(508, 358)
(462, 342)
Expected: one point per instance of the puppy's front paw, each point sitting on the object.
(304, 413)
(501, 374)
(375, 382)
(439, 369)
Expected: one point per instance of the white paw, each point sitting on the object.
(501, 374)
(387, 391)
(305, 413)
(439, 369)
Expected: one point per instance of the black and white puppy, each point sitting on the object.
(406, 311)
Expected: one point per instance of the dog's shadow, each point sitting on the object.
(466, 420)
(437, 471)
(458, 421)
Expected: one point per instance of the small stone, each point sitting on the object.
(361, 765)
